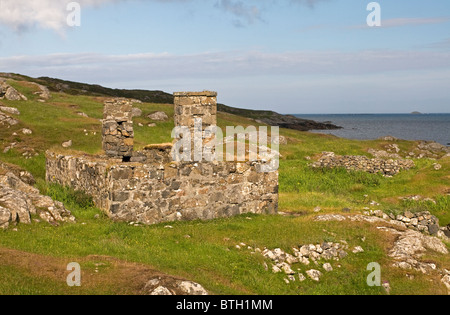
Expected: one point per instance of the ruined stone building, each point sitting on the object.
(149, 187)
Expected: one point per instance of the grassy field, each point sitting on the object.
(205, 251)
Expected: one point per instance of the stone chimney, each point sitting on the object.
(117, 130)
(191, 105)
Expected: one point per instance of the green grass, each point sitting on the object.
(303, 188)
(16, 281)
(209, 256)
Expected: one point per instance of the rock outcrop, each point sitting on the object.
(7, 120)
(19, 201)
(169, 286)
(423, 149)
(10, 93)
(433, 147)
(421, 221)
(23, 175)
(9, 110)
(43, 93)
(410, 245)
(158, 116)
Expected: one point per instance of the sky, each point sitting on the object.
(290, 56)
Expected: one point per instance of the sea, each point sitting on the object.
(433, 127)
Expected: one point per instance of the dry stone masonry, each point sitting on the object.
(118, 134)
(149, 187)
(385, 167)
(192, 105)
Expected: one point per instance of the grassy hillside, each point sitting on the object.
(160, 97)
(205, 252)
(76, 88)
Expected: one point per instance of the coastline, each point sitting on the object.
(410, 127)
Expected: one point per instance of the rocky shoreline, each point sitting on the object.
(275, 119)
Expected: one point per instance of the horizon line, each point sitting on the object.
(414, 114)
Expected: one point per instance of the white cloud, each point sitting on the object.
(21, 15)
(101, 67)
(50, 14)
(367, 81)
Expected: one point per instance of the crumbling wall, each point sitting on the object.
(149, 187)
(117, 130)
(153, 192)
(362, 163)
(84, 173)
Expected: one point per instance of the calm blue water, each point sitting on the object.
(434, 127)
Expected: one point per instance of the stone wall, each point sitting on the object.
(387, 167)
(149, 187)
(154, 192)
(192, 105)
(117, 130)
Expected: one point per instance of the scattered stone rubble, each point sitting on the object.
(388, 154)
(422, 221)
(388, 167)
(410, 244)
(432, 147)
(6, 120)
(5, 116)
(424, 149)
(19, 201)
(318, 255)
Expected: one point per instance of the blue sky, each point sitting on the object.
(291, 56)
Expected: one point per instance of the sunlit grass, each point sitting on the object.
(208, 255)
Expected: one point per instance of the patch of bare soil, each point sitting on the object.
(121, 277)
